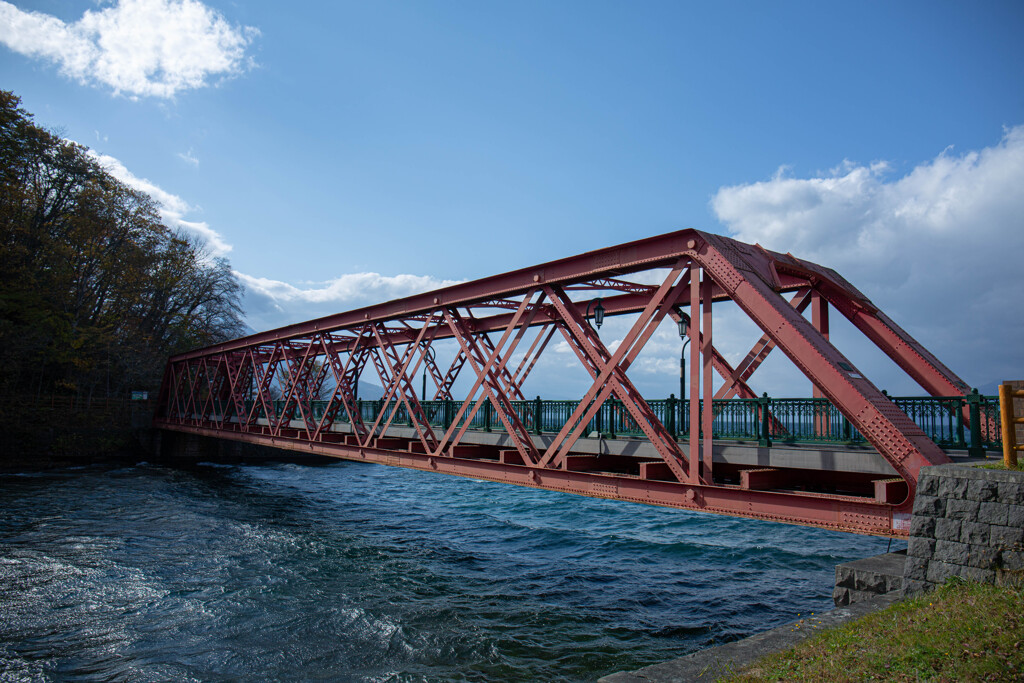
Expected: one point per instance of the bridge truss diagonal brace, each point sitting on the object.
(264, 380)
(444, 386)
(190, 378)
(344, 391)
(209, 375)
(718, 361)
(544, 334)
(292, 365)
(328, 366)
(911, 356)
(350, 387)
(896, 437)
(299, 370)
(205, 375)
(516, 393)
(430, 361)
(185, 379)
(195, 376)
(489, 370)
(513, 382)
(245, 386)
(219, 387)
(239, 377)
(401, 384)
(923, 366)
(497, 377)
(608, 371)
(224, 386)
(317, 379)
(736, 378)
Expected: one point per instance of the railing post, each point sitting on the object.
(961, 442)
(611, 418)
(670, 408)
(976, 449)
(537, 406)
(448, 417)
(487, 416)
(765, 438)
(1008, 420)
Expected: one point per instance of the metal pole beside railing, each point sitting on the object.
(1008, 418)
(765, 439)
(976, 449)
(670, 416)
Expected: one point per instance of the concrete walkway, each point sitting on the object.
(716, 662)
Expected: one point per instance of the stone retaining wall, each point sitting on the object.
(969, 523)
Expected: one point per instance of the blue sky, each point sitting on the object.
(345, 153)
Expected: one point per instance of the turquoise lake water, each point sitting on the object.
(358, 572)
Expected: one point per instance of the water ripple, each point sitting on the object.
(356, 572)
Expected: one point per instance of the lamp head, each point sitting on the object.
(684, 324)
(599, 314)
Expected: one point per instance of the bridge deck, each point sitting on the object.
(838, 487)
(851, 458)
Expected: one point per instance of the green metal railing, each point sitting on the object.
(765, 420)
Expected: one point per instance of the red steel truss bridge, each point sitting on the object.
(296, 387)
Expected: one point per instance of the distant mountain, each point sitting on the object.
(989, 388)
(370, 392)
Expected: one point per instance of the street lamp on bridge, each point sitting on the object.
(598, 312)
(684, 323)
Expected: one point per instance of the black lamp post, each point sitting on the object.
(428, 356)
(684, 323)
(598, 312)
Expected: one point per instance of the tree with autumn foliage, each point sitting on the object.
(95, 291)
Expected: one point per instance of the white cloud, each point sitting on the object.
(151, 48)
(172, 207)
(189, 158)
(273, 303)
(937, 249)
(351, 287)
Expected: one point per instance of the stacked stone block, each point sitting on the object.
(969, 523)
(868, 578)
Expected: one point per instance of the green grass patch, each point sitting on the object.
(960, 632)
(1001, 466)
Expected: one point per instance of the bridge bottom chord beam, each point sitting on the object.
(649, 485)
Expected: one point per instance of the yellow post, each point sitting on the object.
(1006, 417)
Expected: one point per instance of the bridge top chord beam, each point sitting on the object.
(653, 252)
